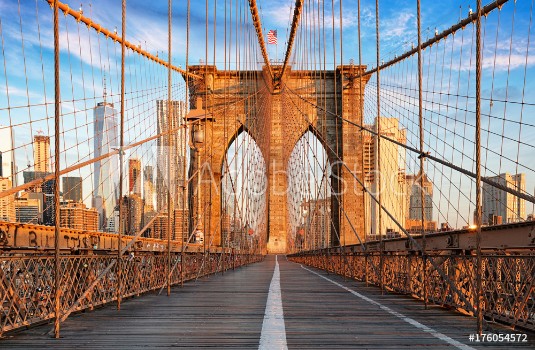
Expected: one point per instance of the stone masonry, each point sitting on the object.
(276, 118)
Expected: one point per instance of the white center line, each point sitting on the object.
(409, 320)
(273, 329)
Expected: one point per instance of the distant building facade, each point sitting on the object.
(387, 175)
(134, 176)
(76, 215)
(414, 189)
(499, 205)
(106, 171)
(7, 203)
(72, 188)
(148, 188)
(132, 210)
(170, 148)
(28, 210)
(41, 153)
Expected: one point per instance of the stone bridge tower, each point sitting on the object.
(276, 117)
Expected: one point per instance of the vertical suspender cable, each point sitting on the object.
(222, 201)
(479, 296)
(361, 111)
(378, 161)
(170, 147)
(184, 201)
(57, 106)
(421, 175)
(341, 230)
(121, 160)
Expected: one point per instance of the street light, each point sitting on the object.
(197, 117)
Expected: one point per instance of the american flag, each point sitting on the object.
(272, 36)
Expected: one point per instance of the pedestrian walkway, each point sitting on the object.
(275, 304)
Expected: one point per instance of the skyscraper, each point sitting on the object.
(41, 153)
(134, 176)
(414, 197)
(389, 172)
(72, 189)
(106, 171)
(413, 221)
(498, 203)
(173, 146)
(49, 205)
(132, 212)
(148, 188)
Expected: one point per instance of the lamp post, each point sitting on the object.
(197, 118)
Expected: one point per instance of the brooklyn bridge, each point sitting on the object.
(170, 178)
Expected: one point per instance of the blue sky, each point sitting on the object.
(28, 62)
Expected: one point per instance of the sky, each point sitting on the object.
(26, 35)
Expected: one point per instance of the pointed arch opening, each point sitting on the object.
(244, 194)
(309, 195)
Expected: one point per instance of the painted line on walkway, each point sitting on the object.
(407, 319)
(273, 334)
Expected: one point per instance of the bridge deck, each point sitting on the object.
(320, 311)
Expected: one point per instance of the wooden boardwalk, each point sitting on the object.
(228, 311)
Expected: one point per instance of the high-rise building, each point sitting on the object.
(49, 214)
(7, 203)
(413, 221)
(388, 172)
(8, 169)
(72, 189)
(29, 176)
(501, 205)
(148, 188)
(172, 147)
(134, 176)
(106, 171)
(28, 210)
(41, 153)
(112, 224)
(75, 215)
(132, 211)
(159, 227)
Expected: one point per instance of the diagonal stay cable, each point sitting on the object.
(525, 196)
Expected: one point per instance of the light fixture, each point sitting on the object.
(197, 117)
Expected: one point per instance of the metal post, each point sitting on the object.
(57, 106)
(121, 161)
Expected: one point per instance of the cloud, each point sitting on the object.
(400, 26)
(504, 62)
